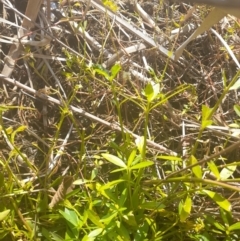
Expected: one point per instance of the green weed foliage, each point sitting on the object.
(116, 162)
(143, 196)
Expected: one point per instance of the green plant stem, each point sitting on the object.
(143, 153)
(204, 160)
(191, 180)
(20, 215)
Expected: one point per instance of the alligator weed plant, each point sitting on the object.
(144, 149)
(124, 186)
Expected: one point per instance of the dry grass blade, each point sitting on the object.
(214, 17)
(63, 189)
(15, 50)
(134, 30)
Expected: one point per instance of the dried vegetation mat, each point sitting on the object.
(104, 136)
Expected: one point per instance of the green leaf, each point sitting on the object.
(235, 226)
(220, 200)
(214, 169)
(123, 232)
(142, 165)
(130, 219)
(236, 85)
(226, 172)
(171, 158)
(56, 237)
(70, 216)
(206, 114)
(152, 205)
(115, 70)
(185, 209)
(95, 233)
(123, 197)
(82, 181)
(101, 71)
(151, 91)
(237, 109)
(226, 217)
(72, 232)
(86, 238)
(94, 218)
(143, 232)
(115, 160)
(4, 214)
(111, 184)
(118, 170)
(140, 143)
(45, 233)
(94, 173)
(234, 125)
(109, 217)
(196, 169)
(214, 222)
(19, 129)
(131, 157)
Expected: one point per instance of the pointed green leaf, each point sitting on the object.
(196, 169)
(95, 232)
(123, 197)
(123, 232)
(220, 200)
(94, 218)
(140, 143)
(214, 169)
(101, 71)
(115, 160)
(206, 112)
(142, 165)
(86, 238)
(131, 157)
(185, 209)
(130, 219)
(235, 226)
(214, 222)
(226, 172)
(171, 158)
(226, 217)
(206, 115)
(115, 70)
(111, 184)
(151, 91)
(152, 205)
(109, 217)
(234, 125)
(4, 214)
(82, 181)
(237, 109)
(236, 85)
(119, 170)
(70, 216)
